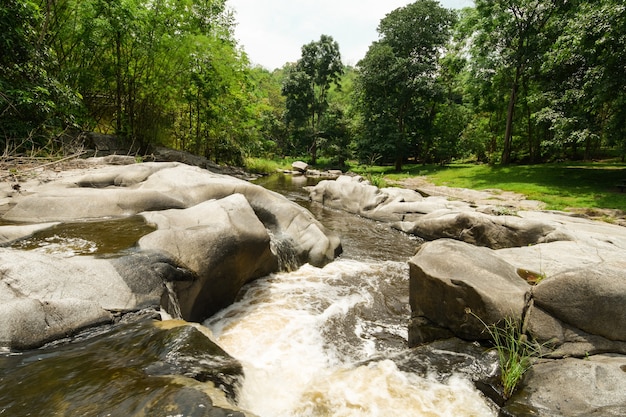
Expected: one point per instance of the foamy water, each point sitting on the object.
(303, 338)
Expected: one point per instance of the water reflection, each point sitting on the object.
(102, 237)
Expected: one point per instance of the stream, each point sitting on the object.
(314, 342)
(332, 341)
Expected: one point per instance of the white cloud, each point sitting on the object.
(273, 31)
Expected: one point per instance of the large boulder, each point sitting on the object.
(215, 234)
(126, 190)
(450, 280)
(588, 298)
(222, 242)
(44, 297)
(144, 367)
(432, 218)
(571, 387)
(480, 229)
(354, 195)
(300, 166)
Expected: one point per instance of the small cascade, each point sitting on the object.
(332, 342)
(283, 248)
(173, 304)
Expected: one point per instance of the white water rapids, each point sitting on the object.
(305, 338)
(320, 341)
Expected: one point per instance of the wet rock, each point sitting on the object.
(448, 277)
(447, 357)
(141, 368)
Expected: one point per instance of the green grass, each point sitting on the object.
(268, 166)
(515, 352)
(560, 186)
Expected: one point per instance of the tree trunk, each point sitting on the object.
(313, 149)
(508, 134)
(532, 150)
(399, 161)
(118, 82)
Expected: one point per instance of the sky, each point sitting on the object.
(272, 32)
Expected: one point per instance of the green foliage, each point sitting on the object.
(397, 94)
(584, 90)
(515, 351)
(376, 180)
(34, 105)
(306, 89)
(505, 81)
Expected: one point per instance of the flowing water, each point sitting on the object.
(327, 341)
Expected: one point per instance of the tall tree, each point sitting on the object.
(34, 104)
(396, 83)
(511, 38)
(306, 88)
(583, 88)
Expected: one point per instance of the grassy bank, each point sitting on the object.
(560, 186)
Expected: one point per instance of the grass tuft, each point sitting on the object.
(267, 166)
(515, 351)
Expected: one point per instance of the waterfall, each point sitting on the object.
(283, 248)
(173, 307)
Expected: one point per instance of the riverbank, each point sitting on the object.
(508, 201)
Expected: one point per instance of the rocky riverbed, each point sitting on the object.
(493, 254)
(559, 275)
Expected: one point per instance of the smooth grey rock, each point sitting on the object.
(12, 233)
(44, 297)
(559, 340)
(592, 299)
(27, 323)
(573, 387)
(26, 274)
(300, 166)
(222, 242)
(127, 190)
(480, 229)
(447, 277)
(354, 195)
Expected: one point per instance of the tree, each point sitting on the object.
(511, 39)
(34, 105)
(396, 84)
(306, 88)
(583, 89)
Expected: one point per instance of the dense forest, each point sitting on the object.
(503, 82)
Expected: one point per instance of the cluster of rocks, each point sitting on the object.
(214, 233)
(302, 168)
(561, 276)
